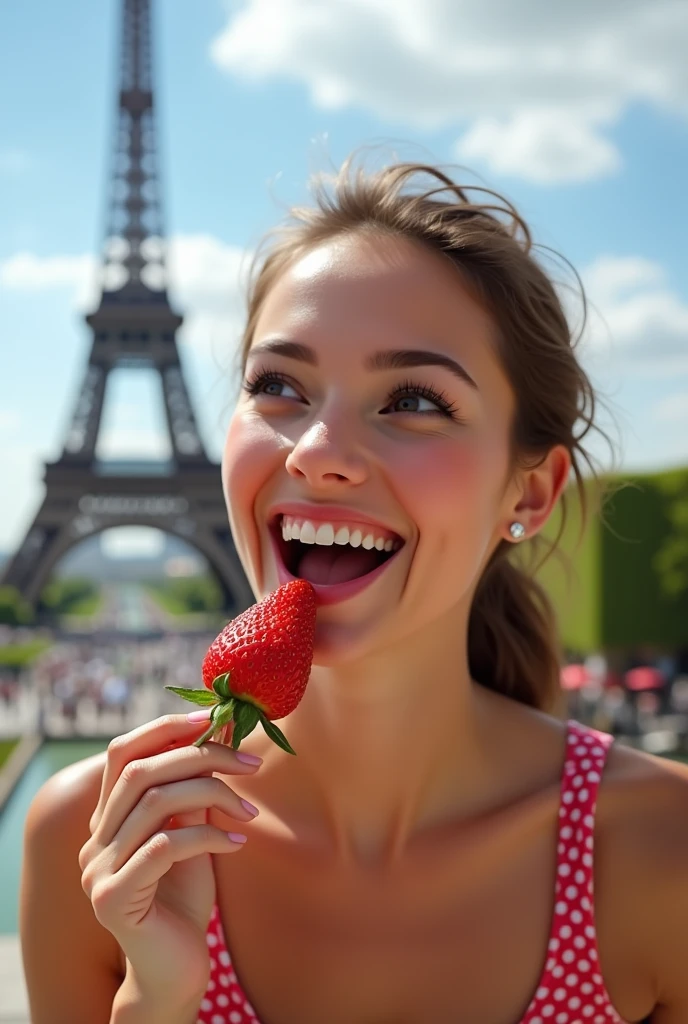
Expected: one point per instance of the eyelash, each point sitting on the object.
(253, 384)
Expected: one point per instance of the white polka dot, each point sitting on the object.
(583, 794)
(571, 981)
(558, 971)
(593, 777)
(574, 853)
(568, 956)
(585, 763)
(223, 957)
(579, 942)
(559, 994)
(560, 907)
(542, 993)
(566, 832)
(562, 1018)
(571, 892)
(587, 860)
(234, 1017)
(583, 966)
(576, 917)
(237, 997)
(575, 814)
(567, 797)
(217, 1019)
(547, 1011)
(577, 781)
(224, 980)
(206, 1004)
(574, 1002)
(249, 1009)
(564, 869)
(211, 939)
(586, 988)
(553, 945)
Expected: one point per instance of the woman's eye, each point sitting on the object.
(413, 403)
(274, 387)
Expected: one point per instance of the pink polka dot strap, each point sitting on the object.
(571, 989)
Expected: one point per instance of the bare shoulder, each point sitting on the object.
(641, 864)
(73, 965)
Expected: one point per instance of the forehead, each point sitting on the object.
(378, 288)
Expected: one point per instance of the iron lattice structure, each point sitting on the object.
(134, 326)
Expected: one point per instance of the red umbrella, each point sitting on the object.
(644, 678)
(574, 677)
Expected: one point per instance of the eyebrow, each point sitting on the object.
(389, 359)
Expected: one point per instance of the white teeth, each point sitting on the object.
(307, 533)
(325, 534)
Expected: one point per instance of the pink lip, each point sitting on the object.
(326, 514)
(336, 592)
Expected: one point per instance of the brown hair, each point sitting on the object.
(512, 637)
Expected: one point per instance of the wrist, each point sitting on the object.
(135, 1004)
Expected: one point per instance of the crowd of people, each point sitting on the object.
(105, 679)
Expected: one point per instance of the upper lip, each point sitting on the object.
(327, 514)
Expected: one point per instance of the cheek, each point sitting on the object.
(251, 453)
(449, 483)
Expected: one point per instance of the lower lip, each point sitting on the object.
(335, 592)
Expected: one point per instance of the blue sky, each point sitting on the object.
(578, 113)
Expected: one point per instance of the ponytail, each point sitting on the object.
(512, 638)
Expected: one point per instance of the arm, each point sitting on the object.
(667, 902)
(73, 965)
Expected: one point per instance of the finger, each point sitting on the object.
(112, 894)
(160, 803)
(149, 738)
(141, 775)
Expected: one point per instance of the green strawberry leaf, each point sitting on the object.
(275, 734)
(221, 686)
(245, 721)
(203, 696)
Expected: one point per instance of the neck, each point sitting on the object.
(388, 748)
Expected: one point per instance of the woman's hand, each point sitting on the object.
(147, 868)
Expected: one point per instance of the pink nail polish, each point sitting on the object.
(249, 807)
(202, 715)
(237, 837)
(249, 758)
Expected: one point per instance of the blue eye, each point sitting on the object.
(420, 399)
(270, 383)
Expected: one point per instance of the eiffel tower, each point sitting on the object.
(134, 326)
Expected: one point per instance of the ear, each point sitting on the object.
(539, 490)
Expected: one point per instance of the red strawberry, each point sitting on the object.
(257, 669)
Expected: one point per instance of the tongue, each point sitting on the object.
(336, 564)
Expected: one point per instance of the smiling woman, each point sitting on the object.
(412, 408)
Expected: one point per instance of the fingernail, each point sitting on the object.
(202, 715)
(249, 758)
(237, 837)
(249, 807)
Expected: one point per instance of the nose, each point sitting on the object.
(325, 455)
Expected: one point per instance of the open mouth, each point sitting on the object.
(328, 554)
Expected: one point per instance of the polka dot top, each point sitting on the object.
(571, 989)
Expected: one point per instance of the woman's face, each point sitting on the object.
(375, 421)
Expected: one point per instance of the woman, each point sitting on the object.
(409, 377)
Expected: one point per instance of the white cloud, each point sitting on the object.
(532, 87)
(540, 145)
(636, 318)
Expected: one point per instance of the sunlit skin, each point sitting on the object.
(392, 735)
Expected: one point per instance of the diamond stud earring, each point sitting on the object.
(517, 531)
